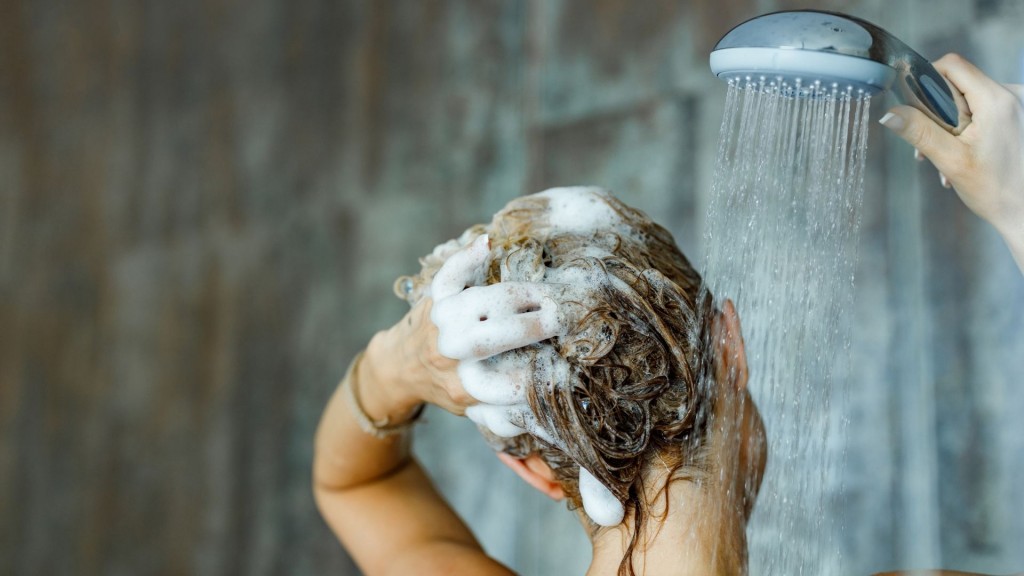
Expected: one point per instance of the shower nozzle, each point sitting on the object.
(803, 48)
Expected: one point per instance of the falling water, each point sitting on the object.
(781, 242)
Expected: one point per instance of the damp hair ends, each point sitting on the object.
(638, 383)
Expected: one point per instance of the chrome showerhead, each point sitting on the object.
(798, 48)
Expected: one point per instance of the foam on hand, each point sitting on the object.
(510, 421)
(482, 321)
(476, 321)
(499, 419)
(500, 379)
(486, 381)
(464, 267)
(493, 331)
(500, 383)
(598, 502)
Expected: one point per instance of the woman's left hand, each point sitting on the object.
(985, 163)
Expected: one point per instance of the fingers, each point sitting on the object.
(462, 269)
(497, 419)
(481, 321)
(496, 380)
(509, 421)
(504, 379)
(967, 78)
(486, 320)
(930, 139)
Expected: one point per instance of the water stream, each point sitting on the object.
(780, 240)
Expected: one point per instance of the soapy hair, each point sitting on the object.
(640, 383)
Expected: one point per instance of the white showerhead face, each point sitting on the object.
(801, 70)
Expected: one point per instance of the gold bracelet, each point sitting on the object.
(380, 428)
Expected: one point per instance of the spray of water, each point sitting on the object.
(781, 242)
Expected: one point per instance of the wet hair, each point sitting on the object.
(639, 388)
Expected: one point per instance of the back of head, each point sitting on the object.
(637, 383)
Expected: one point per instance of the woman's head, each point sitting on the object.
(630, 384)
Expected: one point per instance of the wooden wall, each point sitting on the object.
(203, 206)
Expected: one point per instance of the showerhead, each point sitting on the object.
(797, 48)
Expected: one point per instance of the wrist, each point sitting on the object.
(382, 391)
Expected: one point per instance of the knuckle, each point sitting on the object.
(918, 136)
(437, 360)
(948, 59)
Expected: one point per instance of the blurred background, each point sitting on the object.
(203, 206)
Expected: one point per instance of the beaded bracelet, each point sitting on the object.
(380, 428)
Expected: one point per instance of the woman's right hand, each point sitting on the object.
(417, 360)
(985, 163)
(402, 368)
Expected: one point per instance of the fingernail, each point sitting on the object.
(918, 156)
(891, 121)
(944, 180)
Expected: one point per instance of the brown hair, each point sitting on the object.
(640, 384)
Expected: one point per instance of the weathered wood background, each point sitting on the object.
(203, 206)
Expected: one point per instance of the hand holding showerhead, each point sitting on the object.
(985, 162)
(803, 48)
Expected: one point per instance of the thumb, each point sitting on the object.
(910, 124)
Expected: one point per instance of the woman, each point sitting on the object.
(383, 508)
(581, 341)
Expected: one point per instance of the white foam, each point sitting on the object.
(501, 380)
(550, 368)
(464, 267)
(510, 421)
(497, 419)
(579, 210)
(482, 321)
(598, 502)
(581, 280)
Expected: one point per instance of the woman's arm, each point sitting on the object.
(985, 163)
(372, 493)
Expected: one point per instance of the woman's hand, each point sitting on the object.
(418, 359)
(403, 366)
(985, 163)
(369, 488)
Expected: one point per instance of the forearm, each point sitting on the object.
(371, 492)
(345, 455)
